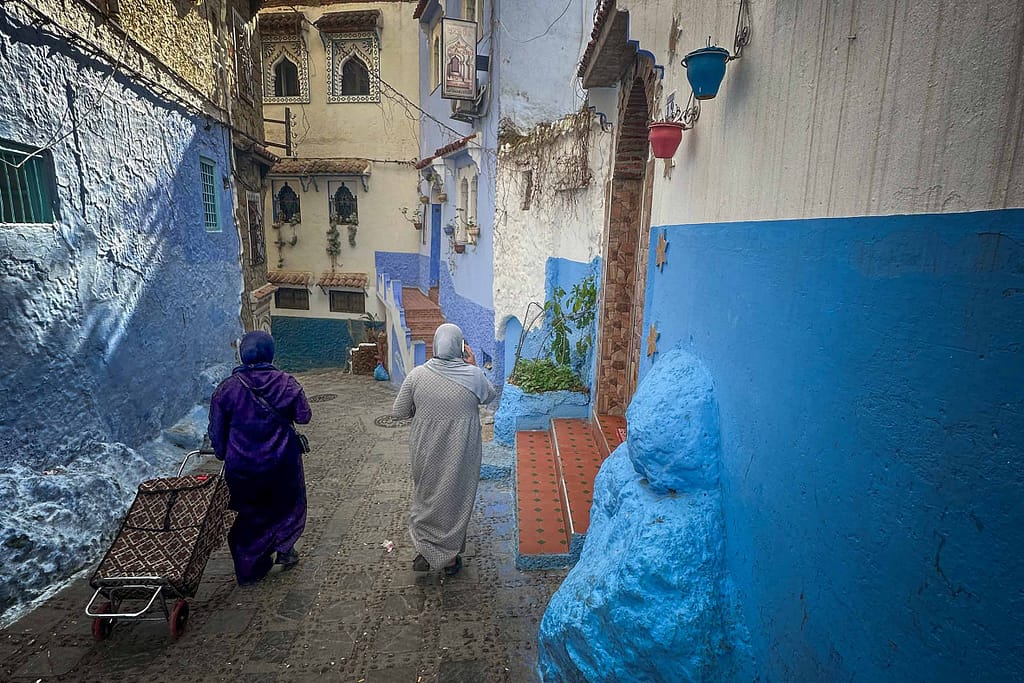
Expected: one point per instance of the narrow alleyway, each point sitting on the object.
(350, 611)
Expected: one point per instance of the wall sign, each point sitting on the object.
(458, 59)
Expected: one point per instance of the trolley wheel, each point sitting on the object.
(101, 626)
(179, 617)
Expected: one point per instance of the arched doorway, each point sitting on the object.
(627, 228)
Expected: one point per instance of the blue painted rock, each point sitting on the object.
(673, 425)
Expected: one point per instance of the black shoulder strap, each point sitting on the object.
(266, 405)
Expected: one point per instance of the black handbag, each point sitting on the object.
(303, 441)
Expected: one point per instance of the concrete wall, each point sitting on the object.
(381, 228)
(563, 224)
(388, 129)
(111, 314)
(308, 343)
(866, 368)
(386, 132)
(845, 109)
(539, 46)
(868, 374)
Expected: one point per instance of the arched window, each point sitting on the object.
(464, 199)
(473, 191)
(286, 79)
(355, 78)
(287, 205)
(345, 207)
(435, 63)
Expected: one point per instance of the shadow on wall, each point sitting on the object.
(111, 316)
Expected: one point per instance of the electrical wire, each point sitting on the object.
(54, 139)
(546, 31)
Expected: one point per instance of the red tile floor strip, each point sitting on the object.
(580, 459)
(612, 430)
(542, 527)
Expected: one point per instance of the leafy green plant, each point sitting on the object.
(577, 313)
(542, 374)
(333, 244)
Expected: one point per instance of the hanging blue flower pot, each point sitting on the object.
(449, 230)
(705, 69)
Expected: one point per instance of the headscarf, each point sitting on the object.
(448, 362)
(256, 351)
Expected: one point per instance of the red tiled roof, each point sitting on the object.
(361, 20)
(420, 6)
(290, 166)
(285, 277)
(452, 146)
(354, 280)
(280, 23)
(603, 12)
(264, 291)
(447, 149)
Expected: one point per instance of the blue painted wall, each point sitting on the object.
(308, 343)
(109, 317)
(402, 266)
(477, 325)
(869, 375)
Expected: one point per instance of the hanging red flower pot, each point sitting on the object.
(665, 137)
(460, 248)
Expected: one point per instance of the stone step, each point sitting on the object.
(555, 472)
(578, 458)
(609, 432)
(543, 538)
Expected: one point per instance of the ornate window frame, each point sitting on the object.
(274, 50)
(342, 46)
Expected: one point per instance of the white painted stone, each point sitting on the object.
(559, 224)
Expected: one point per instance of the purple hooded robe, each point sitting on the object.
(262, 457)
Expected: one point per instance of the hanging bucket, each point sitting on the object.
(665, 137)
(705, 69)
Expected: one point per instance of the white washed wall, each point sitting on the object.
(845, 109)
(554, 226)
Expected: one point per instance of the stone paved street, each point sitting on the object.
(350, 611)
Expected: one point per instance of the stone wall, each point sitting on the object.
(111, 315)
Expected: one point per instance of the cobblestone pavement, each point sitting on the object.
(349, 611)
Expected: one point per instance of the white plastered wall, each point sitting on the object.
(567, 224)
(845, 109)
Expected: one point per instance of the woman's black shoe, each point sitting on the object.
(420, 564)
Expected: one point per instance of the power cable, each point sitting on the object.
(546, 31)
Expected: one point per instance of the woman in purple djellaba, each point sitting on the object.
(250, 429)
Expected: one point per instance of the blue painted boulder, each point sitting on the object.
(649, 598)
(673, 426)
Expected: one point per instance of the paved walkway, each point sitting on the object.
(350, 611)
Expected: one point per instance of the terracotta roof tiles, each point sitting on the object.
(290, 166)
(264, 291)
(280, 23)
(360, 20)
(285, 277)
(603, 10)
(447, 149)
(354, 280)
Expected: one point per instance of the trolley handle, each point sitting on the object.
(205, 449)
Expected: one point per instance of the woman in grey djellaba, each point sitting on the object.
(443, 398)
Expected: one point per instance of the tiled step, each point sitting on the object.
(422, 316)
(542, 530)
(555, 472)
(578, 458)
(609, 432)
